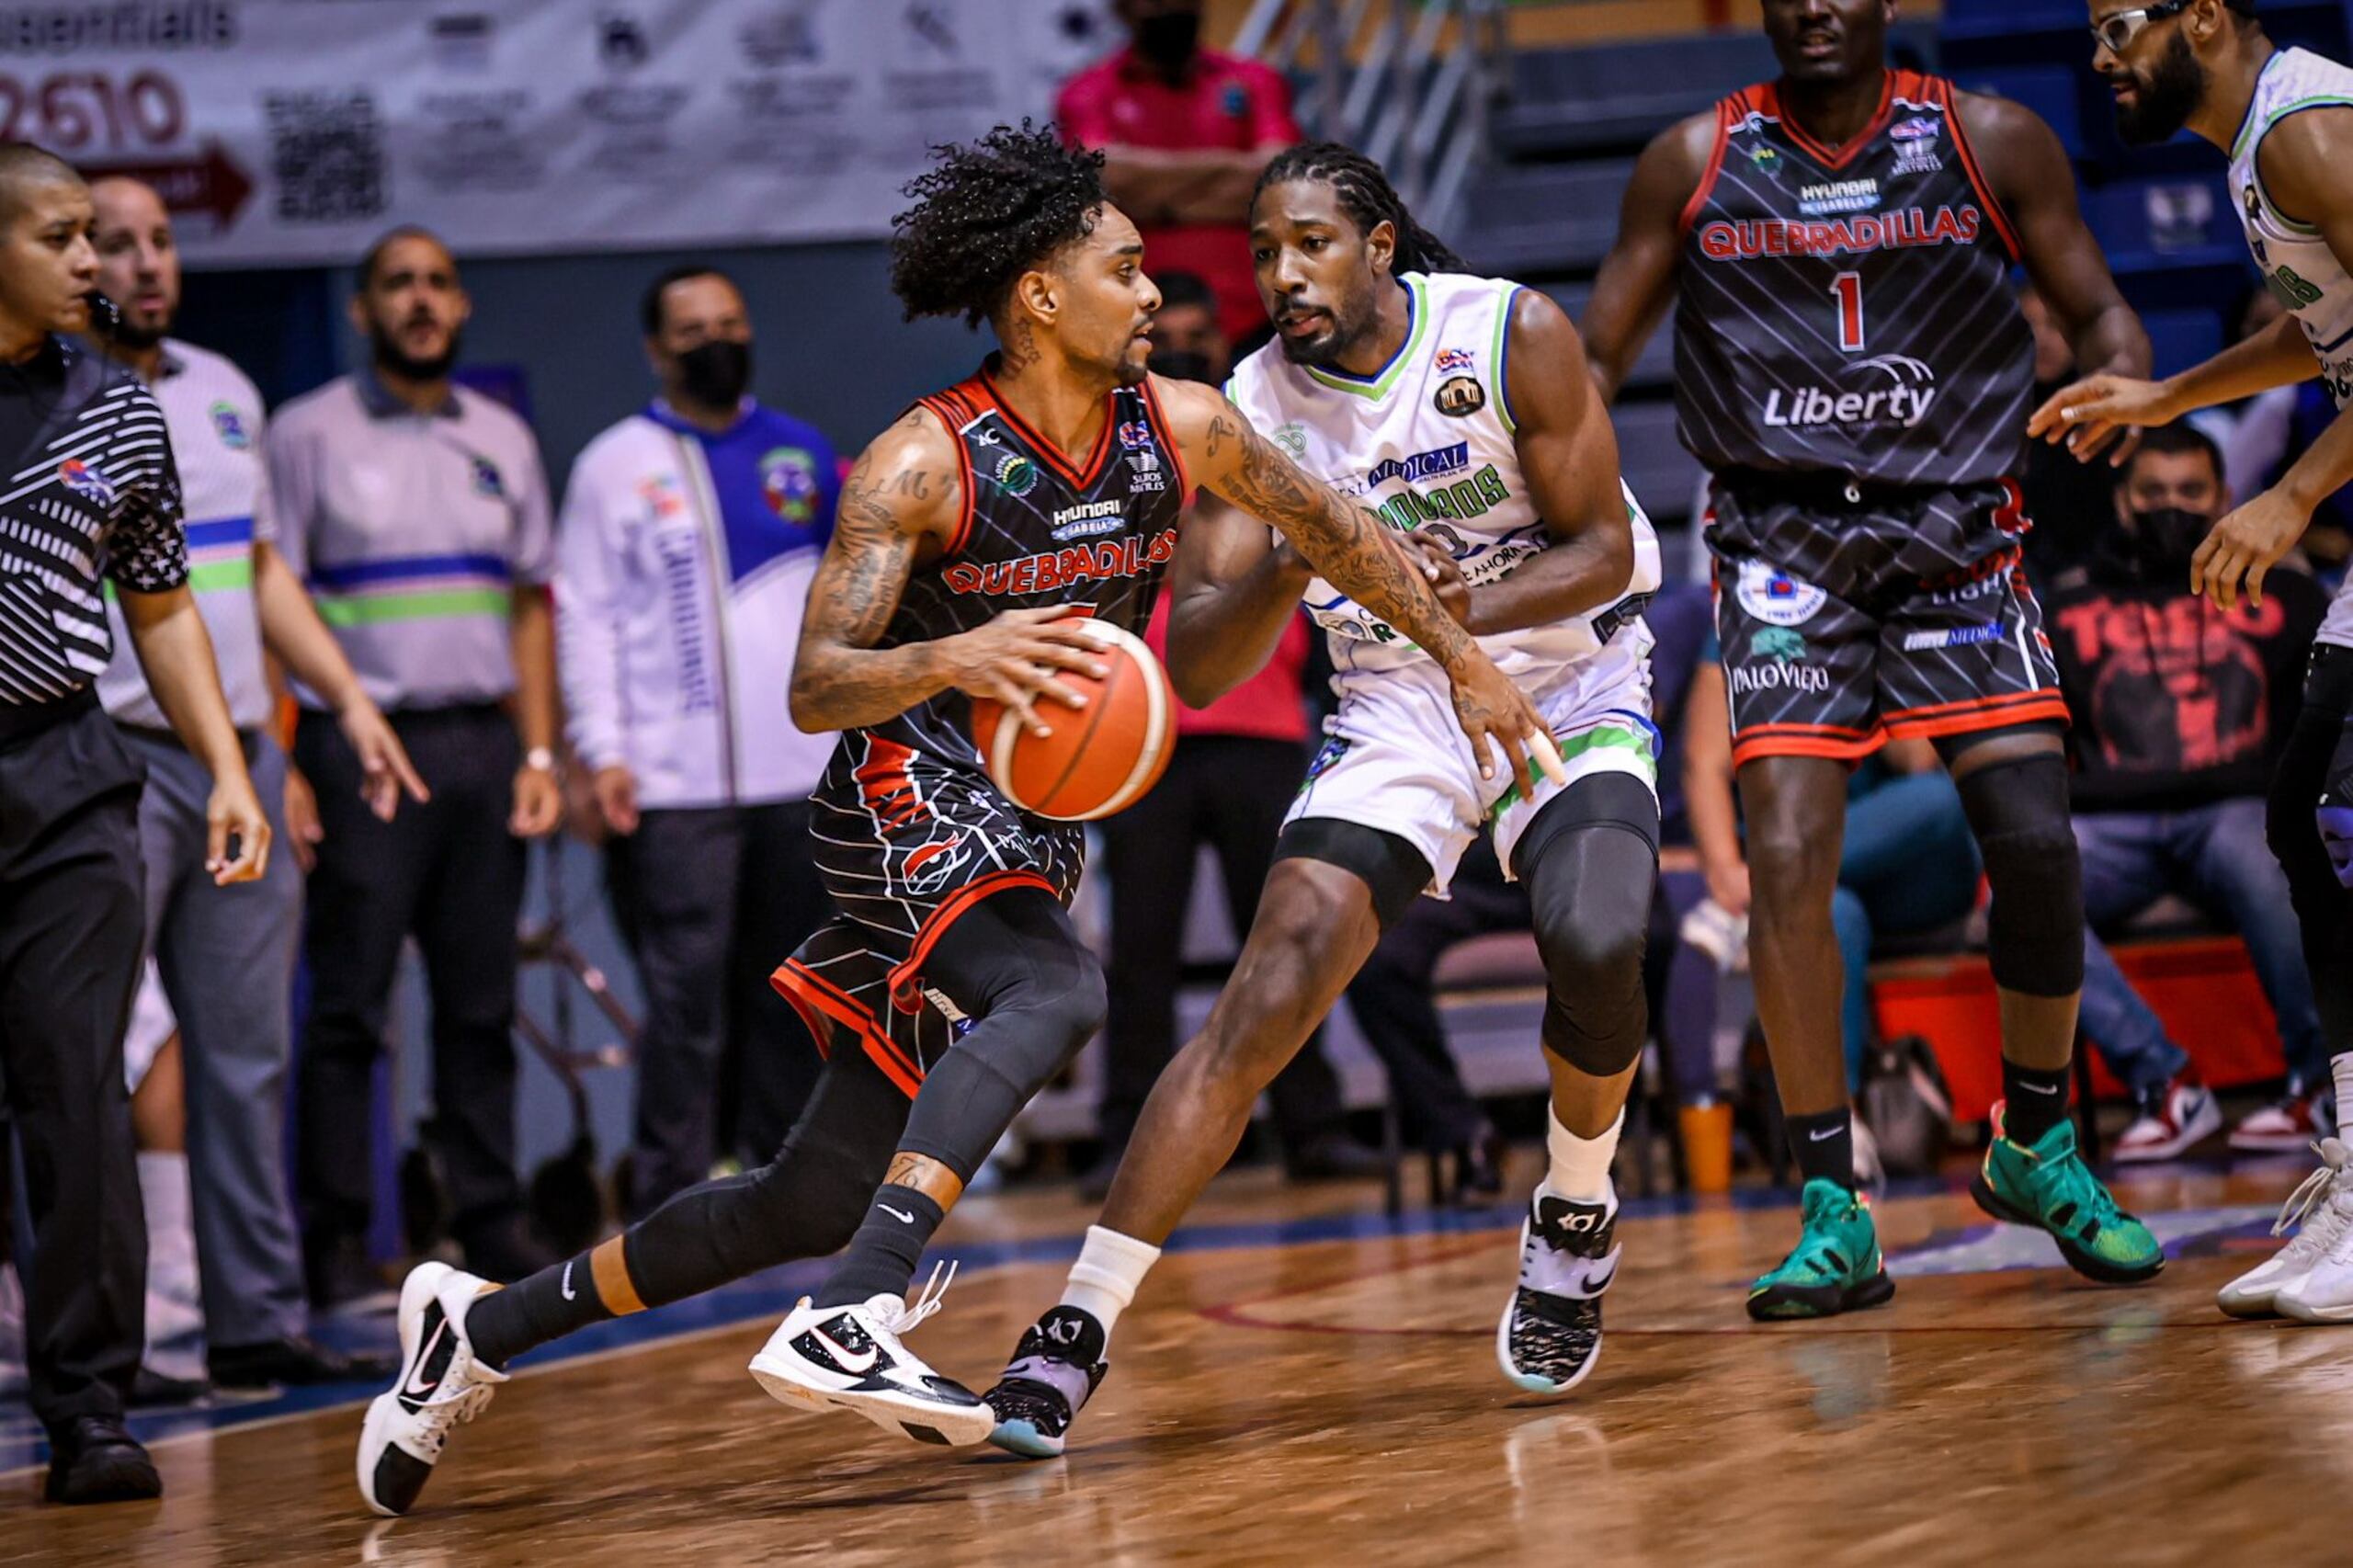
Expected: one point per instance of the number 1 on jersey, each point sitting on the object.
(1847, 289)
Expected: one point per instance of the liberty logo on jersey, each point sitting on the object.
(1904, 402)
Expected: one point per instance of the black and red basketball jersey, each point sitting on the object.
(1851, 311)
(1038, 530)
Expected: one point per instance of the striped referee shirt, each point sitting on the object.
(91, 495)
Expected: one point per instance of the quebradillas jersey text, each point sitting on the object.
(2296, 259)
(1850, 311)
(1036, 531)
(1428, 444)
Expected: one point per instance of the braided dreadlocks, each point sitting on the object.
(988, 211)
(1367, 196)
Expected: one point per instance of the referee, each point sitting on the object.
(92, 493)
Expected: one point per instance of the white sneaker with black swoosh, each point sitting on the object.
(440, 1385)
(850, 1358)
(1550, 1337)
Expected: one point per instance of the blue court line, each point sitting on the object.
(772, 1293)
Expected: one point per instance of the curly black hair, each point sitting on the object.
(1366, 196)
(986, 212)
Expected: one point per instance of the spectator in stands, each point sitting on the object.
(1231, 776)
(419, 511)
(1185, 131)
(1907, 865)
(1393, 996)
(704, 499)
(2069, 501)
(236, 1037)
(2179, 710)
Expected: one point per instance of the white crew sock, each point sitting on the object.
(1104, 1280)
(1580, 1166)
(2341, 1069)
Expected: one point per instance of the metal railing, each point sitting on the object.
(1408, 83)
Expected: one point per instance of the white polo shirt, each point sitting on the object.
(214, 416)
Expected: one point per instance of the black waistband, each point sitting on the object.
(19, 724)
(1823, 487)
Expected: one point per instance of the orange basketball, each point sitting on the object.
(1100, 758)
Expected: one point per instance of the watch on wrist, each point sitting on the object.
(540, 759)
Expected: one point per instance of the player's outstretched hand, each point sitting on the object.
(2246, 545)
(1490, 707)
(1014, 659)
(2101, 413)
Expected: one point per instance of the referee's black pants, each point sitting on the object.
(447, 872)
(71, 918)
(1230, 793)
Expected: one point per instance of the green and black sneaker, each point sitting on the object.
(1835, 1266)
(2046, 1185)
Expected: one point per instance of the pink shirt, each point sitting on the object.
(1225, 103)
(1267, 706)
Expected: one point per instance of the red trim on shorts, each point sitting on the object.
(1168, 437)
(1941, 91)
(798, 983)
(883, 786)
(1080, 478)
(935, 925)
(1980, 714)
(781, 981)
(1839, 741)
(1725, 109)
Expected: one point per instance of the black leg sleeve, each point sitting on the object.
(1590, 869)
(2324, 906)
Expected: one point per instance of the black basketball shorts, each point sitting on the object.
(1851, 615)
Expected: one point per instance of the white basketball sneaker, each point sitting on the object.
(2323, 1207)
(850, 1358)
(440, 1385)
(1550, 1336)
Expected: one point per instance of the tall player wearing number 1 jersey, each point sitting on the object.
(1852, 368)
(2285, 116)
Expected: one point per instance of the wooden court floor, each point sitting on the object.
(1304, 1383)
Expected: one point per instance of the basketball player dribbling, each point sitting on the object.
(1852, 368)
(1460, 407)
(2285, 118)
(952, 985)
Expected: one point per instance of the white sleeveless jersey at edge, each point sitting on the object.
(2295, 260)
(1428, 444)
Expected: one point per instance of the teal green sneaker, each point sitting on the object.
(1835, 1266)
(2048, 1186)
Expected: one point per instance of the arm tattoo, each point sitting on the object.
(1343, 540)
(840, 681)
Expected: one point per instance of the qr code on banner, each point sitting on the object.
(327, 150)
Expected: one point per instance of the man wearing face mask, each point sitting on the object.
(2179, 710)
(689, 533)
(1184, 131)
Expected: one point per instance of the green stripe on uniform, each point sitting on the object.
(445, 603)
(211, 576)
(1574, 746)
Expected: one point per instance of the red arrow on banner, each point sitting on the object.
(208, 182)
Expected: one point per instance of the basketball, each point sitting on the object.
(1100, 758)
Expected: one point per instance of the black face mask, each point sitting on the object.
(2165, 538)
(715, 373)
(1182, 365)
(1168, 39)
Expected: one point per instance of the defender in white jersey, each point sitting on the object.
(2285, 118)
(1459, 409)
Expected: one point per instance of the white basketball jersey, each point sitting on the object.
(1428, 444)
(2295, 260)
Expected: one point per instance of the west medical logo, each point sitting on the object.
(1421, 466)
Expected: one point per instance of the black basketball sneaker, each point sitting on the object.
(1550, 1334)
(849, 1358)
(1055, 1369)
(440, 1385)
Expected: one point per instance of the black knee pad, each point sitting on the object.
(2019, 813)
(1590, 861)
(1391, 867)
